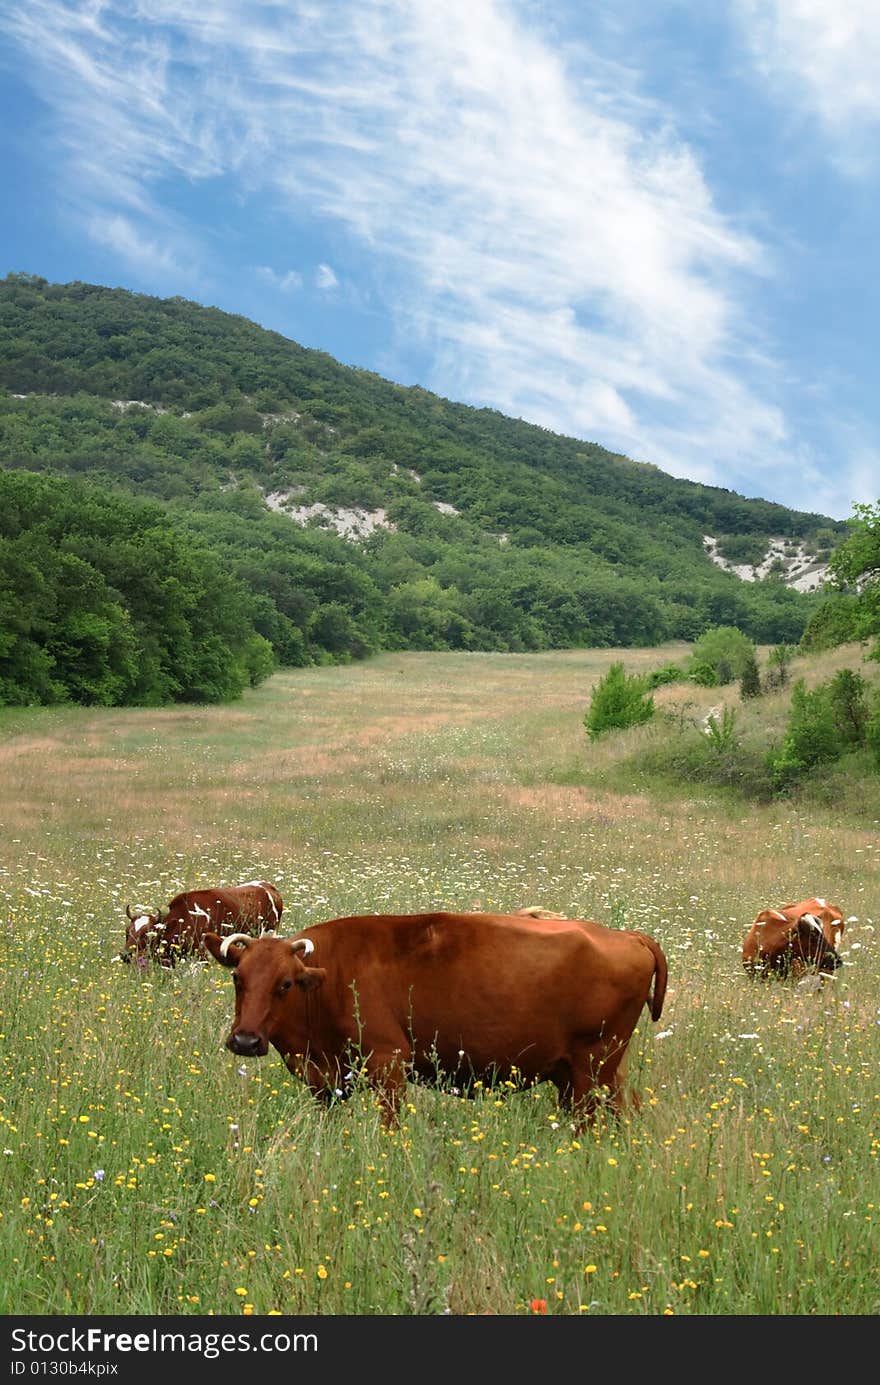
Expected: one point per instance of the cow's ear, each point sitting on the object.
(310, 978)
(213, 943)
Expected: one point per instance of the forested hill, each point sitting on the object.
(157, 456)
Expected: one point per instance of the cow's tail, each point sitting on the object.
(660, 976)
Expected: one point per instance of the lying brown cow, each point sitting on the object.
(175, 929)
(793, 939)
(443, 996)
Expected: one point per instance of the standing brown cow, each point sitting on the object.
(793, 939)
(177, 928)
(460, 997)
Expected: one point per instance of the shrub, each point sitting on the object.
(743, 548)
(667, 673)
(703, 675)
(778, 662)
(872, 731)
(725, 649)
(617, 701)
(846, 693)
(750, 680)
(823, 725)
(722, 734)
(693, 757)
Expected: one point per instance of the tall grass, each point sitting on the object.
(144, 1169)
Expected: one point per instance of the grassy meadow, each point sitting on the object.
(146, 1170)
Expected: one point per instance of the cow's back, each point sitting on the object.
(241, 905)
(505, 990)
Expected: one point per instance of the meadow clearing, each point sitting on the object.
(144, 1169)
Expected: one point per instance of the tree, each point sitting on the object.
(811, 739)
(835, 622)
(778, 663)
(847, 697)
(855, 567)
(872, 729)
(750, 679)
(617, 701)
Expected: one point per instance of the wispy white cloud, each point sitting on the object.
(325, 278)
(132, 244)
(549, 240)
(822, 59)
(287, 282)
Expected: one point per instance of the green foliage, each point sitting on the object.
(823, 725)
(617, 702)
(750, 679)
(726, 649)
(667, 673)
(837, 621)
(872, 730)
(722, 734)
(811, 738)
(102, 600)
(207, 414)
(779, 664)
(743, 548)
(702, 674)
(855, 567)
(847, 696)
(687, 755)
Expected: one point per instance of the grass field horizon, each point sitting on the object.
(145, 1170)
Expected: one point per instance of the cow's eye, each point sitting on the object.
(285, 985)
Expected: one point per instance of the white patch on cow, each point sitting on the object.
(813, 922)
(140, 924)
(196, 910)
(821, 903)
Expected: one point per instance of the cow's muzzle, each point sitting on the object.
(247, 1045)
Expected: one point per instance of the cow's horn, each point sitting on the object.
(242, 939)
(303, 945)
(129, 914)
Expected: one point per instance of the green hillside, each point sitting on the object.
(177, 427)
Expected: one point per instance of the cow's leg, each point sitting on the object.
(386, 1073)
(597, 1083)
(561, 1078)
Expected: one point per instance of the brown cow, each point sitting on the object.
(444, 996)
(175, 929)
(793, 939)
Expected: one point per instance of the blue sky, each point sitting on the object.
(652, 226)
